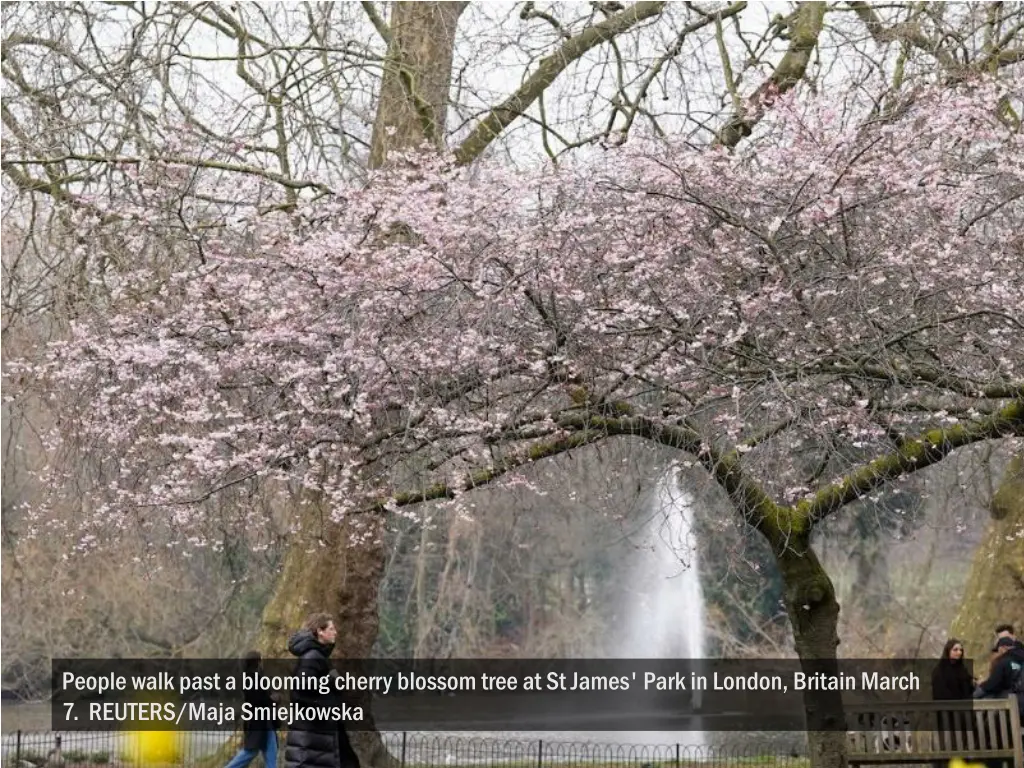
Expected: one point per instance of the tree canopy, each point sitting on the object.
(838, 286)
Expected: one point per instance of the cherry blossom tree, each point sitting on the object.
(840, 287)
(835, 289)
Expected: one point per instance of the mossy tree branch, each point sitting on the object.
(913, 455)
(377, 20)
(780, 524)
(757, 507)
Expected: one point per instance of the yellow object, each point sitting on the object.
(145, 748)
(956, 762)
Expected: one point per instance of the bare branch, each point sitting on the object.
(190, 162)
(806, 25)
(547, 71)
(377, 20)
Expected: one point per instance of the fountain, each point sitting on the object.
(664, 601)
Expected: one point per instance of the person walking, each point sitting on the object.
(257, 735)
(315, 743)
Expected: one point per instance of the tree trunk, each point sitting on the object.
(995, 588)
(413, 102)
(336, 575)
(341, 575)
(814, 615)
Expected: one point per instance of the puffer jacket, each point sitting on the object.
(311, 743)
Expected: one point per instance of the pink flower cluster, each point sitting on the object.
(816, 290)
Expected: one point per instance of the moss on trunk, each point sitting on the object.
(413, 100)
(813, 612)
(995, 588)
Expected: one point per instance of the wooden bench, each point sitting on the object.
(935, 732)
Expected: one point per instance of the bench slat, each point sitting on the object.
(966, 705)
(970, 721)
(1017, 734)
(959, 734)
(993, 732)
(921, 732)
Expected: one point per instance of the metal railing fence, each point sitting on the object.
(206, 749)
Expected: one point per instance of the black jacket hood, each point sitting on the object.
(303, 641)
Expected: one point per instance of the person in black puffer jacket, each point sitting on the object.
(314, 743)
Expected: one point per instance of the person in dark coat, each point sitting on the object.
(950, 679)
(257, 735)
(311, 743)
(1007, 673)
